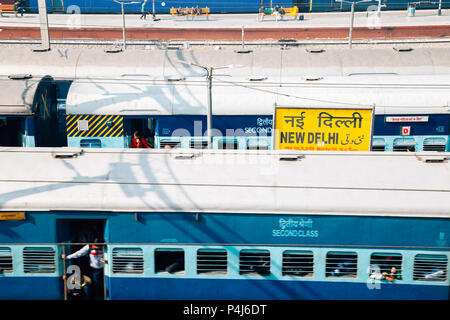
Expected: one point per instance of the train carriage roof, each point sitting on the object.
(225, 181)
(390, 94)
(270, 62)
(17, 96)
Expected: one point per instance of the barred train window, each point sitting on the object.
(434, 144)
(6, 262)
(127, 260)
(228, 144)
(212, 261)
(171, 144)
(254, 262)
(198, 144)
(298, 263)
(385, 262)
(342, 264)
(169, 260)
(39, 260)
(430, 267)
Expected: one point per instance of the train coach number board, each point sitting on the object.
(323, 129)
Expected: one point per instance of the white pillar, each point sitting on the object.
(43, 23)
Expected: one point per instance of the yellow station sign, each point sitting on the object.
(323, 129)
(12, 216)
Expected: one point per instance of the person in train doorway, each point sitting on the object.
(80, 288)
(144, 11)
(96, 262)
(138, 142)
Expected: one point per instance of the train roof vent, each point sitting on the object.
(342, 264)
(174, 78)
(430, 267)
(298, 263)
(243, 51)
(254, 262)
(290, 157)
(20, 76)
(127, 260)
(312, 78)
(315, 50)
(212, 261)
(114, 50)
(372, 74)
(403, 49)
(6, 262)
(39, 260)
(256, 78)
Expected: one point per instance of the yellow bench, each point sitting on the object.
(189, 12)
(7, 8)
(286, 12)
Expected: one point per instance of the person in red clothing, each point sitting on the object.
(138, 142)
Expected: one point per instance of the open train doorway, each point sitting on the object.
(145, 127)
(10, 132)
(82, 256)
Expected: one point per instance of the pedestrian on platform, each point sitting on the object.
(18, 7)
(144, 11)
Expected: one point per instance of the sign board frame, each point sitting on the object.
(277, 106)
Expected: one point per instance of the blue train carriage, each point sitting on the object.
(272, 225)
(411, 111)
(28, 112)
(220, 6)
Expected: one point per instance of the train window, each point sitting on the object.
(254, 262)
(169, 260)
(434, 144)
(127, 260)
(298, 263)
(6, 263)
(386, 266)
(39, 260)
(90, 143)
(257, 145)
(228, 144)
(342, 264)
(212, 261)
(404, 144)
(171, 144)
(196, 144)
(378, 144)
(430, 267)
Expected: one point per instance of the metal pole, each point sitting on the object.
(153, 9)
(242, 37)
(123, 27)
(209, 111)
(379, 8)
(45, 38)
(440, 8)
(350, 36)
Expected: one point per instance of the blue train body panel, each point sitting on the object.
(30, 288)
(218, 6)
(194, 289)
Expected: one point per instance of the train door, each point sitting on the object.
(145, 126)
(74, 235)
(303, 5)
(11, 132)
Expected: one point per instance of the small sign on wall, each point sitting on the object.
(406, 131)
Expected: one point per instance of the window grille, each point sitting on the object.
(257, 145)
(298, 263)
(404, 145)
(90, 143)
(198, 144)
(39, 260)
(254, 262)
(430, 267)
(169, 260)
(378, 144)
(434, 144)
(342, 264)
(171, 144)
(212, 261)
(6, 262)
(127, 260)
(383, 263)
(228, 144)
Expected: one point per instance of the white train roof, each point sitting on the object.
(335, 183)
(17, 96)
(268, 62)
(390, 94)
